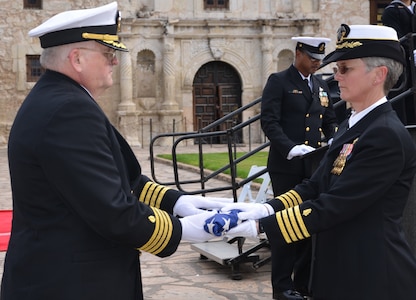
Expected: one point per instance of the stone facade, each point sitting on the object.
(169, 41)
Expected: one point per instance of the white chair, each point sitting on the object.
(264, 191)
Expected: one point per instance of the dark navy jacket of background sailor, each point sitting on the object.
(291, 116)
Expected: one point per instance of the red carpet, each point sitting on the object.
(5, 227)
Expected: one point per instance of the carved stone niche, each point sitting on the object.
(284, 6)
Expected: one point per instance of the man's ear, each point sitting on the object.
(74, 58)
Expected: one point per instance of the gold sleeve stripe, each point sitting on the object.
(290, 199)
(299, 217)
(291, 224)
(282, 227)
(142, 196)
(287, 222)
(294, 223)
(161, 235)
(152, 194)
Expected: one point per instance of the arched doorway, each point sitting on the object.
(216, 93)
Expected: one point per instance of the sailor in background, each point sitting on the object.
(297, 116)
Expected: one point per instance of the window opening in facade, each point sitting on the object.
(33, 68)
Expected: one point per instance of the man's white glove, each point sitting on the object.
(193, 227)
(250, 211)
(188, 205)
(299, 150)
(246, 229)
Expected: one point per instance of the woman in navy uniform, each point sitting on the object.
(82, 210)
(297, 116)
(353, 204)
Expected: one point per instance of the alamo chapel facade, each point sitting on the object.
(189, 61)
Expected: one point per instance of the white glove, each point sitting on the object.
(188, 205)
(193, 227)
(250, 211)
(246, 229)
(299, 150)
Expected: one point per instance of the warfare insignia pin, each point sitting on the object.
(306, 212)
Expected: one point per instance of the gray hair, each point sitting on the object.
(395, 69)
(53, 57)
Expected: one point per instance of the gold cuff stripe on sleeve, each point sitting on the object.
(142, 196)
(294, 223)
(289, 227)
(161, 235)
(290, 199)
(302, 225)
(291, 224)
(282, 227)
(152, 194)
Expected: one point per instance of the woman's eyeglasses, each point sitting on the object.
(341, 69)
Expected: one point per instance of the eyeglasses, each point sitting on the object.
(110, 55)
(341, 69)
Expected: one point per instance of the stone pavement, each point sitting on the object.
(184, 275)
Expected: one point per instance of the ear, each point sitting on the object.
(74, 58)
(381, 73)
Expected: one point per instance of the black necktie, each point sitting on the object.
(307, 83)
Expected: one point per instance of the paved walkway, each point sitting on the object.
(182, 276)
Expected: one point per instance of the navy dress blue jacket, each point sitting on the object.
(82, 210)
(352, 207)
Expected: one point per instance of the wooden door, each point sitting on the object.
(216, 93)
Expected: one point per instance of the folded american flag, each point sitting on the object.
(220, 223)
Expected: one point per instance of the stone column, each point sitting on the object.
(126, 83)
(128, 121)
(169, 112)
(169, 102)
(267, 54)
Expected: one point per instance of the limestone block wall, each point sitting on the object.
(179, 36)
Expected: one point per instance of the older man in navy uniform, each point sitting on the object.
(82, 210)
(297, 116)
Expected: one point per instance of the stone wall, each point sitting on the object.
(252, 36)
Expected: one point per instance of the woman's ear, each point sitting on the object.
(381, 74)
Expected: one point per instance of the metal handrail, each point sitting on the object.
(207, 132)
(229, 134)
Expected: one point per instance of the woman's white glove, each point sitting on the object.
(250, 211)
(188, 205)
(246, 229)
(193, 227)
(299, 150)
